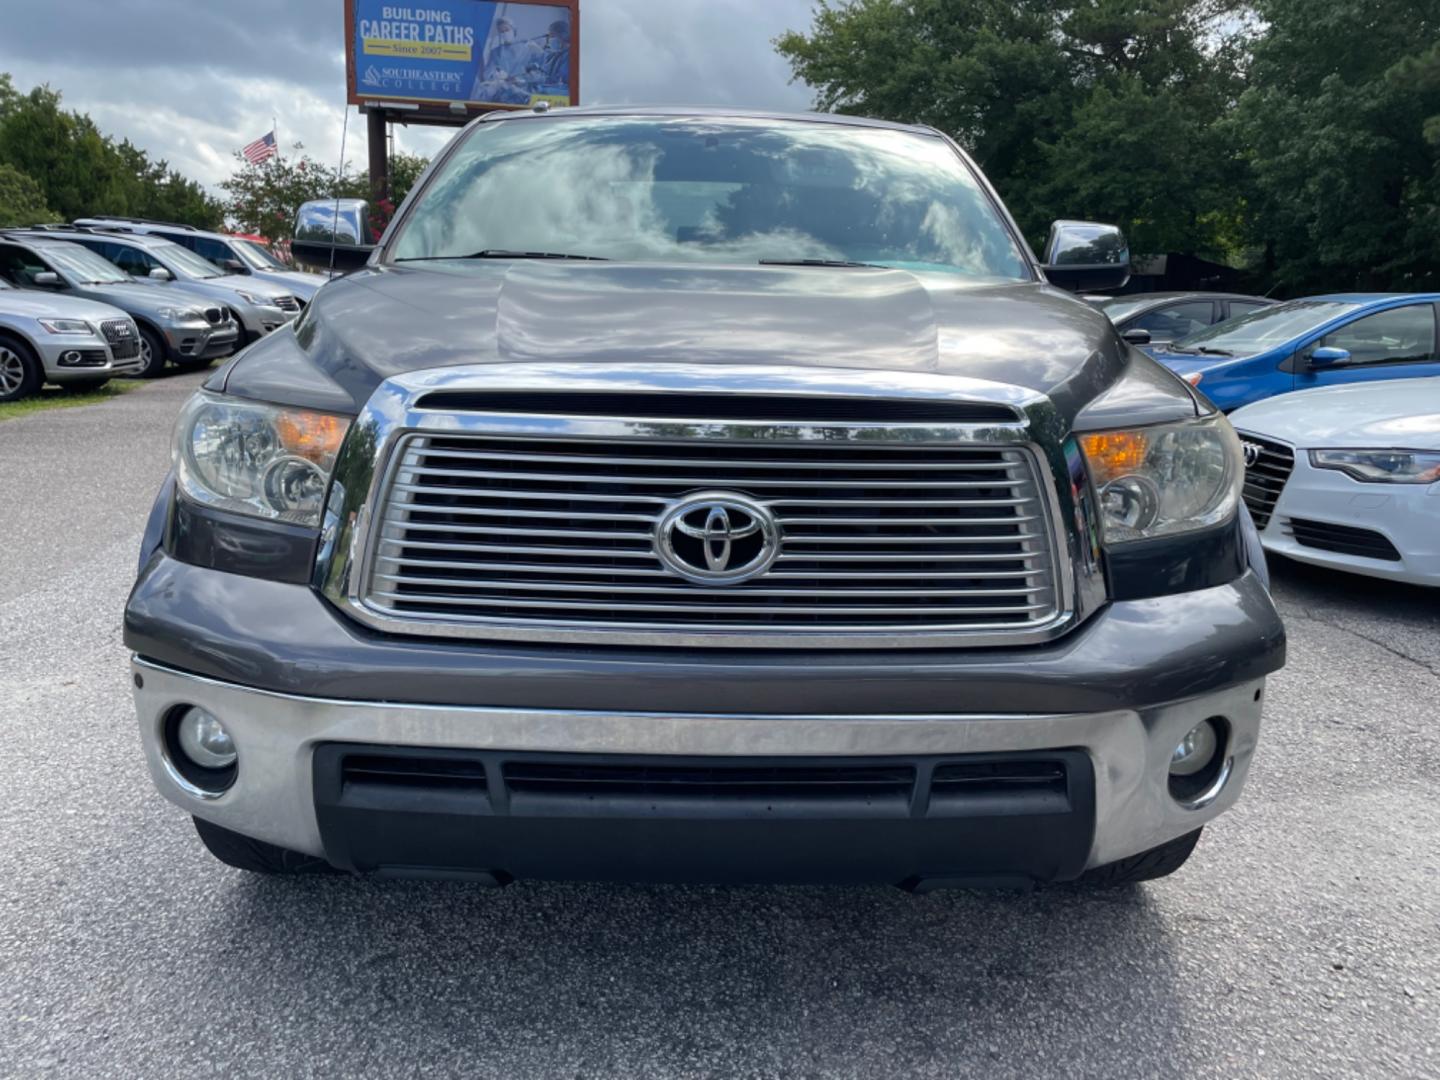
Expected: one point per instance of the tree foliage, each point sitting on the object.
(1301, 135)
(264, 198)
(21, 200)
(81, 171)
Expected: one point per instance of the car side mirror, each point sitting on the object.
(161, 274)
(47, 279)
(1136, 336)
(1083, 256)
(1327, 356)
(234, 266)
(333, 234)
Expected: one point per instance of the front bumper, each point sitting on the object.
(1407, 515)
(202, 341)
(259, 321)
(72, 357)
(1122, 690)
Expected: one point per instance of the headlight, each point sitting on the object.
(264, 460)
(175, 314)
(251, 298)
(66, 326)
(1167, 479)
(1381, 466)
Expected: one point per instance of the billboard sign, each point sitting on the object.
(480, 53)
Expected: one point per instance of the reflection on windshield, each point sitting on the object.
(1122, 309)
(258, 258)
(734, 191)
(1266, 328)
(83, 267)
(190, 265)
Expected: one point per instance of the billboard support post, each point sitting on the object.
(379, 157)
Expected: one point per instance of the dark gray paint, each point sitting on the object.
(1133, 654)
(387, 320)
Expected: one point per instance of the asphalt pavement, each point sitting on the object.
(1302, 939)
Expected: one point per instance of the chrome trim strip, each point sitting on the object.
(371, 455)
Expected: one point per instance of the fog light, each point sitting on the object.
(1195, 751)
(204, 740)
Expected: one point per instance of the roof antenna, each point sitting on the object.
(339, 179)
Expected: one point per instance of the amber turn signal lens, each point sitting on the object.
(1114, 453)
(313, 436)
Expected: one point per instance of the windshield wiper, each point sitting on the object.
(501, 253)
(821, 262)
(1208, 351)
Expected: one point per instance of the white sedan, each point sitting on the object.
(1349, 476)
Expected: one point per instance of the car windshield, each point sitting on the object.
(188, 264)
(710, 190)
(257, 256)
(1264, 329)
(1123, 308)
(82, 266)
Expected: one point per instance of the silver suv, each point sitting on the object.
(233, 254)
(258, 306)
(78, 343)
(174, 324)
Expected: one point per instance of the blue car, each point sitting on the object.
(1301, 344)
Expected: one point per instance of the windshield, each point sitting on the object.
(185, 262)
(707, 190)
(1264, 329)
(257, 256)
(81, 266)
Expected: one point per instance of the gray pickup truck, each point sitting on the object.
(702, 496)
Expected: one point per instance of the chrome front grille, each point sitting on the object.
(287, 303)
(1268, 465)
(124, 341)
(477, 531)
(214, 315)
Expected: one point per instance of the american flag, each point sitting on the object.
(261, 150)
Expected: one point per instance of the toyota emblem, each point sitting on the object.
(717, 538)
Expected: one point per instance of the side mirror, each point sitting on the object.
(1136, 336)
(47, 279)
(1083, 256)
(333, 233)
(161, 274)
(234, 266)
(1327, 356)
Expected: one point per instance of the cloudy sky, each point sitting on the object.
(193, 80)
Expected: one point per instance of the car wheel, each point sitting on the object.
(152, 354)
(20, 371)
(256, 856)
(1147, 866)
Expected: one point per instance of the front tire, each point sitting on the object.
(256, 856)
(152, 354)
(20, 372)
(1158, 862)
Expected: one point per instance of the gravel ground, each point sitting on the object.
(1302, 939)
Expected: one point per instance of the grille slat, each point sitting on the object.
(536, 531)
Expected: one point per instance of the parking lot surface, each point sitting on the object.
(1302, 939)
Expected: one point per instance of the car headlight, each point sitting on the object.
(1166, 479)
(174, 314)
(268, 461)
(66, 326)
(251, 298)
(1381, 466)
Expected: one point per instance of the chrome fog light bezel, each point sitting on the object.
(190, 775)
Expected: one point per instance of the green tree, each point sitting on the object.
(22, 202)
(1342, 132)
(1106, 109)
(81, 171)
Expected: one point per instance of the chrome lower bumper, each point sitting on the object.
(276, 734)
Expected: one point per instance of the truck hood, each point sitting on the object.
(385, 321)
(1398, 414)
